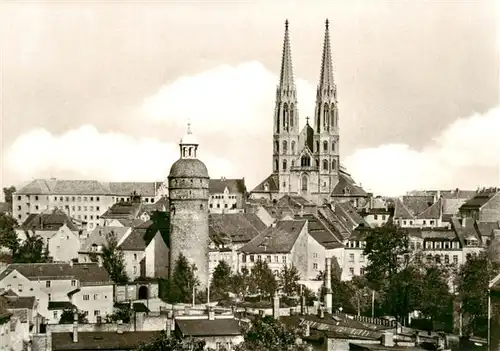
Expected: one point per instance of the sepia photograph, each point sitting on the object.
(250, 175)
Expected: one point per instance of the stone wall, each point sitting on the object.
(124, 293)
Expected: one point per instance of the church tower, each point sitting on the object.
(286, 120)
(188, 188)
(326, 128)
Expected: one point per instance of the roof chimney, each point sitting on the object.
(328, 285)
(119, 328)
(276, 305)
(75, 327)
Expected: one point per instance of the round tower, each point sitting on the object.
(188, 190)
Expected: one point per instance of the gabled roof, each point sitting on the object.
(102, 340)
(320, 231)
(205, 327)
(145, 189)
(417, 204)
(48, 221)
(452, 206)
(17, 302)
(127, 210)
(137, 240)
(487, 228)
(347, 211)
(346, 186)
(84, 272)
(401, 211)
(432, 212)
(478, 200)
(100, 234)
(272, 181)
(239, 227)
(234, 186)
(278, 238)
(132, 223)
(63, 187)
(334, 223)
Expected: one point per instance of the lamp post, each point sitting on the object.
(373, 303)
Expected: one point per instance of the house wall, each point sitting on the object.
(354, 263)
(316, 258)
(376, 220)
(92, 298)
(226, 202)
(161, 257)
(132, 261)
(300, 252)
(64, 245)
(126, 292)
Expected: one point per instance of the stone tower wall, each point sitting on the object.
(189, 232)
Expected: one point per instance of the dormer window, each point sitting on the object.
(266, 187)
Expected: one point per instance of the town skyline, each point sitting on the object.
(134, 106)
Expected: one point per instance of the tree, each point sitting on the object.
(164, 342)
(263, 280)
(385, 248)
(221, 281)
(120, 314)
(68, 317)
(183, 281)
(267, 333)
(113, 259)
(31, 250)
(240, 282)
(7, 192)
(289, 278)
(8, 236)
(473, 281)
(434, 301)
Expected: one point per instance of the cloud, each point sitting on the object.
(85, 153)
(465, 155)
(231, 109)
(239, 98)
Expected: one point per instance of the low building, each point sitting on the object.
(58, 231)
(227, 195)
(483, 207)
(25, 310)
(59, 286)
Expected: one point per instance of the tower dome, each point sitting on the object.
(188, 165)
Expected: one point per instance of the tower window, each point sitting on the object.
(284, 165)
(291, 115)
(334, 165)
(305, 161)
(293, 147)
(276, 165)
(284, 146)
(333, 146)
(325, 146)
(325, 165)
(276, 146)
(304, 183)
(317, 146)
(201, 206)
(293, 163)
(317, 163)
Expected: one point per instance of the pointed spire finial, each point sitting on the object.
(286, 24)
(189, 127)
(286, 75)
(326, 73)
(326, 23)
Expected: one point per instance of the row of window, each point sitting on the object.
(84, 198)
(284, 149)
(233, 206)
(382, 217)
(361, 258)
(253, 258)
(437, 259)
(305, 161)
(233, 197)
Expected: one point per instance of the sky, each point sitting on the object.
(102, 90)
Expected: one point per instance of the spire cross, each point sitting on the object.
(307, 120)
(189, 127)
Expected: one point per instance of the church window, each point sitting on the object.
(305, 161)
(333, 146)
(285, 115)
(285, 146)
(332, 116)
(276, 165)
(284, 184)
(293, 164)
(325, 165)
(291, 115)
(317, 146)
(189, 151)
(317, 163)
(293, 147)
(304, 183)
(276, 146)
(334, 165)
(325, 115)
(325, 146)
(201, 206)
(284, 165)
(266, 187)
